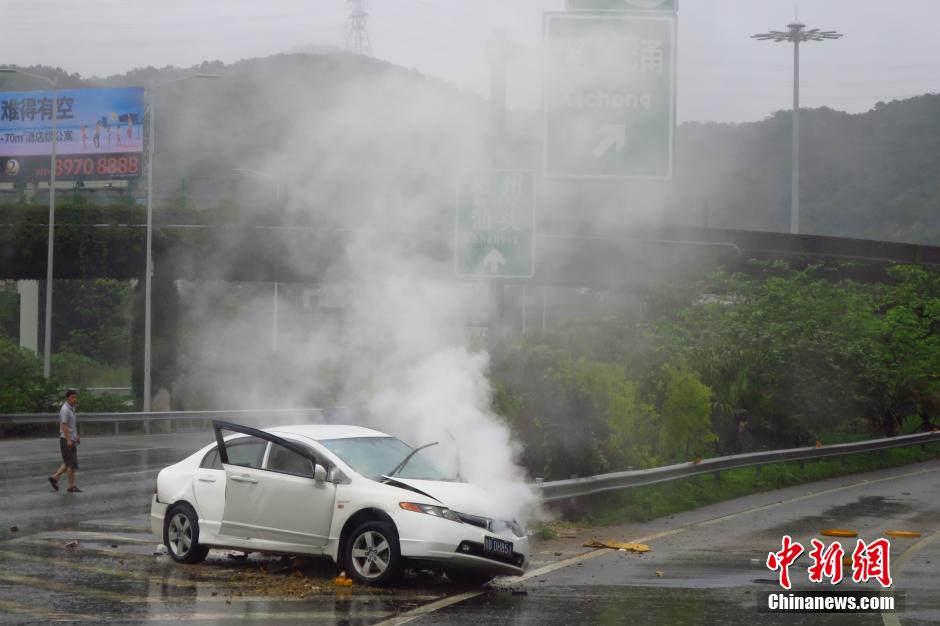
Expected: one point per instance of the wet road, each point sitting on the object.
(705, 566)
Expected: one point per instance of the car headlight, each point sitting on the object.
(430, 509)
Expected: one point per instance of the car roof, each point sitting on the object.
(321, 432)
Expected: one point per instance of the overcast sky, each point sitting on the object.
(888, 51)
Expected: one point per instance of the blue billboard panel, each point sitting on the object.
(89, 122)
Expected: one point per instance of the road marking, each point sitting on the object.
(815, 494)
(404, 618)
(413, 614)
(892, 619)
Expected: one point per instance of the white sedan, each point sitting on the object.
(362, 497)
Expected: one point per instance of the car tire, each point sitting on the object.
(468, 578)
(181, 535)
(372, 555)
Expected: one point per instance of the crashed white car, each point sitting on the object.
(362, 497)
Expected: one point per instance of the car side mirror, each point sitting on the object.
(319, 473)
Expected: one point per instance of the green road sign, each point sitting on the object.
(609, 95)
(495, 224)
(623, 5)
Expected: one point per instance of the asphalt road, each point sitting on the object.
(705, 566)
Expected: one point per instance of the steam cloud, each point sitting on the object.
(400, 347)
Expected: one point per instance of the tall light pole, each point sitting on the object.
(796, 33)
(149, 265)
(47, 336)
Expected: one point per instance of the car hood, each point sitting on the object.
(460, 497)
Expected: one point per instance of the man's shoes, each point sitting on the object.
(54, 483)
(74, 490)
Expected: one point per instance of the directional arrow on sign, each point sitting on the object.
(612, 136)
(493, 261)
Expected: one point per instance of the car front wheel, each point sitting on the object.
(181, 535)
(372, 554)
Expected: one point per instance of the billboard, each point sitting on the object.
(99, 134)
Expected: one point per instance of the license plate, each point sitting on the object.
(497, 546)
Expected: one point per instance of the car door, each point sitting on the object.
(209, 479)
(280, 501)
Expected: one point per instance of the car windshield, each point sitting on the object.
(377, 456)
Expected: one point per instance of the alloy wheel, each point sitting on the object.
(371, 554)
(180, 534)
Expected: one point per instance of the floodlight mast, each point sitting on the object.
(797, 33)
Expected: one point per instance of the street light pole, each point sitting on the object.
(50, 256)
(796, 33)
(148, 278)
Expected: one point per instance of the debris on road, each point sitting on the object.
(13, 529)
(628, 546)
(659, 573)
(839, 532)
(72, 545)
(903, 534)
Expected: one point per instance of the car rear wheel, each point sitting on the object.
(468, 578)
(181, 535)
(372, 554)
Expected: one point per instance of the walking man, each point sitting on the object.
(68, 442)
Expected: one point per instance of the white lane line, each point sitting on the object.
(815, 494)
(413, 614)
(421, 611)
(892, 619)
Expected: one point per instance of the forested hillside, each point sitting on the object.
(335, 127)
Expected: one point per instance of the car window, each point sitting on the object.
(289, 462)
(377, 456)
(246, 451)
(211, 460)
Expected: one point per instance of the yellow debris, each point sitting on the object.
(839, 532)
(659, 572)
(617, 545)
(903, 534)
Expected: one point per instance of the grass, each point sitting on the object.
(653, 501)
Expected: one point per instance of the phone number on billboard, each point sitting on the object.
(100, 166)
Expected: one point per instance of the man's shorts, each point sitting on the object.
(69, 455)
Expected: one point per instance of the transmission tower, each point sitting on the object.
(357, 38)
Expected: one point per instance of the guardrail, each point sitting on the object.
(577, 487)
(550, 490)
(155, 416)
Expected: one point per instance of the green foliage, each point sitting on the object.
(775, 358)
(80, 371)
(685, 415)
(9, 309)
(23, 389)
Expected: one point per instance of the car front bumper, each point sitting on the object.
(458, 545)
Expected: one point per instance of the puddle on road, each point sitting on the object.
(127, 576)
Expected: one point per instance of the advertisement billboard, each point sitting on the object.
(99, 134)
